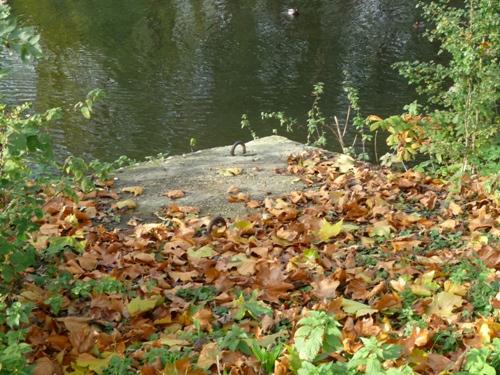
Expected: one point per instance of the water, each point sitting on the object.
(177, 69)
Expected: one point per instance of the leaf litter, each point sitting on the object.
(392, 256)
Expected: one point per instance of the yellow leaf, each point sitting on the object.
(129, 203)
(138, 305)
(450, 287)
(208, 356)
(92, 363)
(356, 308)
(448, 224)
(374, 118)
(173, 341)
(328, 230)
(420, 291)
(380, 229)
(136, 190)
(202, 252)
(443, 304)
(230, 172)
(344, 163)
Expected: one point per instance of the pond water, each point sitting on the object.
(174, 70)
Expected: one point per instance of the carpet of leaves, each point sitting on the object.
(390, 255)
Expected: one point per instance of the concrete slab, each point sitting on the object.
(205, 178)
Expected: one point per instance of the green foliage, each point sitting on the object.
(483, 361)
(315, 123)
(203, 293)
(406, 135)
(372, 354)
(22, 145)
(367, 360)
(86, 107)
(119, 366)
(22, 40)
(285, 122)
(482, 290)
(481, 294)
(317, 332)
(236, 339)
(245, 124)
(250, 306)
(446, 341)
(12, 346)
(100, 286)
(82, 172)
(165, 355)
(462, 92)
(266, 356)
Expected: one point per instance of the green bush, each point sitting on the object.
(461, 93)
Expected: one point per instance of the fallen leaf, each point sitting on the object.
(380, 229)
(175, 194)
(356, 308)
(138, 305)
(328, 230)
(128, 203)
(230, 172)
(443, 304)
(208, 356)
(325, 288)
(203, 252)
(344, 163)
(136, 190)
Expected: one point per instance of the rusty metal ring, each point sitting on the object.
(216, 221)
(236, 144)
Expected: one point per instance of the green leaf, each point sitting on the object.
(308, 341)
(85, 112)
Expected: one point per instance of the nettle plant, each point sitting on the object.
(461, 131)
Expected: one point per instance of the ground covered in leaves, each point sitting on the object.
(368, 271)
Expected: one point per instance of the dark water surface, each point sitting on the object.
(176, 69)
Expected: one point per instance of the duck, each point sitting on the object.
(419, 26)
(293, 12)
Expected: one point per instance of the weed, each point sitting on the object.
(203, 293)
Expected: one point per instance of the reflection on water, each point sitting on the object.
(176, 69)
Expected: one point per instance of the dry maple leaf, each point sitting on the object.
(325, 288)
(174, 194)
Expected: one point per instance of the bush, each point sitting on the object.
(461, 94)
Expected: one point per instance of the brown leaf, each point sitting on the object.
(325, 288)
(44, 366)
(174, 194)
(208, 355)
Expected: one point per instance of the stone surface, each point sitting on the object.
(203, 177)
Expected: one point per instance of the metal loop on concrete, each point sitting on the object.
(236, 144)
